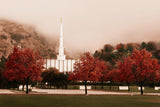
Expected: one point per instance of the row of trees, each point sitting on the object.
(127, 64)
(138, 67)
(24, 66)
(112, 54)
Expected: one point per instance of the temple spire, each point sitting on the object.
(61, 55)
(61, 33)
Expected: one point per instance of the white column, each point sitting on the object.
(61, 66)
(65, 65)
(52, 63)
(69, 65)
(57, 64)
(73, 62)
(48, 63)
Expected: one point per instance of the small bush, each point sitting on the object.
(3, 36)
(17, 37)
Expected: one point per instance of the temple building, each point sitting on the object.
(61, 63)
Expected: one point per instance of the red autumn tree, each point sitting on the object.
(120, 47)
(87, 69)
(24, 65)
(139, 67)
(104, 73)
(112, 75)
(157, 79)
(126, 74)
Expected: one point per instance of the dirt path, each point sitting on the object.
(72, 92)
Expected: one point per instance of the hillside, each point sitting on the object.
(12, 33)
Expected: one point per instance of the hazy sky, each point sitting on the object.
(89, 24)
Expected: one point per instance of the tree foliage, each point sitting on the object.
(108, 48)
(150, 46)
(139, 68)
(24, 65)
(87, 69)
(120, 47)
(2, 68)
(54, 78)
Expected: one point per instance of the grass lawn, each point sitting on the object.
(132, 89)
(78, 101)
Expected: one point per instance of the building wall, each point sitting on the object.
(61, 65)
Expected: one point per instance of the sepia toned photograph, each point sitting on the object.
(79, 53)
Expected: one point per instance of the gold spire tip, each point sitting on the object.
(61, 19)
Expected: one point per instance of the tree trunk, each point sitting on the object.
(110, 88)
(95, 85)
(42, 85)
(66, 86)
(50, 85)
(102, 85)
(23, 87)
(37, 84)
(18, 86)
(26, 88)
(85, 82)
(141, 90)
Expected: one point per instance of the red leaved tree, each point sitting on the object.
(24, 65)
(87, 69)
(104, 73)
(112, 75)
(139, 67)
(126, 74)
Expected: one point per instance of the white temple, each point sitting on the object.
(61, 63)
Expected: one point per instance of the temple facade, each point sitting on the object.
(61, 63)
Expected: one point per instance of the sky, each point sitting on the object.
(88, 24)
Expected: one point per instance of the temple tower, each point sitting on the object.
(61, 55)
(61, 63)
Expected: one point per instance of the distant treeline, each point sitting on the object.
(112, 54)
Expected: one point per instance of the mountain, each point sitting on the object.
(15, 34)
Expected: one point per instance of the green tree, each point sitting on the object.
(143, 45)
(54, 78)
(151, 46)
(108, 48)
(120, 48)
(156, 54)
(50, 76)
(96, 54)
(2, 68)
(130, 48)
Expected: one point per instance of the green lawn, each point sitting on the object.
(78, 101)
(116, 88)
